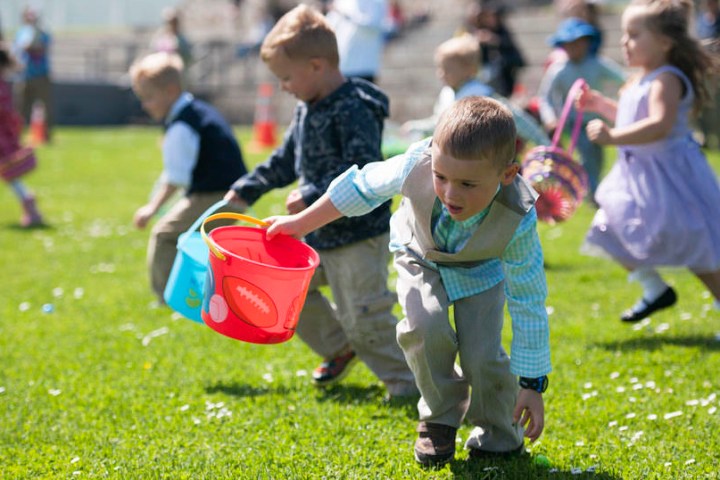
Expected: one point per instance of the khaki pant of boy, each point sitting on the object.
(163, 239)
(362, 315)
(482, 389)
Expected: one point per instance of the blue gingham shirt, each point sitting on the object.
(358, 191)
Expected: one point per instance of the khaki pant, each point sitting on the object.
(162, 245)
(362, 316)
(481, 390)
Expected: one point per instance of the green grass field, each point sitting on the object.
(109, 386)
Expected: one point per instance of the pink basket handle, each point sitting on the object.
(569, 100)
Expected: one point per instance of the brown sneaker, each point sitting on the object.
(435, 444)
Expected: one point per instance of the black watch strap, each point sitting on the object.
(539, 384)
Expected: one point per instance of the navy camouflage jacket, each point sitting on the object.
(323, 140)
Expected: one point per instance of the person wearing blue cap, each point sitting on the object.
(581, 42)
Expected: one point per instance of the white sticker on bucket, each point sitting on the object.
(218, 309)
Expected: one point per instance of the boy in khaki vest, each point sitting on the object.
(463, 236)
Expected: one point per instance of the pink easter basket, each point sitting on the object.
(561, 181)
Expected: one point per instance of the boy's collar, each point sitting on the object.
(182, 101)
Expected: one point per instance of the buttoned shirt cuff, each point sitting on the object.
(346, 197)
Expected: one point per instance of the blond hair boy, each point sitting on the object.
(464, 236)
(458, 65)
(337, 124)
(201, 158)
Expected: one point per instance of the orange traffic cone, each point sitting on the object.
(264, 127)
(38, 127)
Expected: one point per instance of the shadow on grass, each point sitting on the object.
(659, 341)
(19, 228)
(244, 390)
(354, 394)
(523, 467)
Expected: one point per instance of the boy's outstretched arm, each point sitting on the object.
(530, 413)
(315, 216)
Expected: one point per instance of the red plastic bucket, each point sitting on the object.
(255, 287)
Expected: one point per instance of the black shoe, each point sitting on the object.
(476, 453)
(667, 299)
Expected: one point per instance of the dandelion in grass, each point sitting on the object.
(154, 334)
(78, 293)
(670, 415)
(620, 389)
(75, 460)
(685, 316)
(301, 373)
(185, 408)
(268, 377)
(623, 428)
(54, 392)
(58, 292)
(711, 410)
(613, 423)
(652, 416)
(2, 390)
(690, 462)
(663, 327)
(550, 310)
(615, 375)
(642, 324)
(24, 306)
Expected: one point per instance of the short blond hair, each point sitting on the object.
(302, 33)
(161, 69)
(477, 128)
(463, 49)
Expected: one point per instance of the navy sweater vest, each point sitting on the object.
(220, 161)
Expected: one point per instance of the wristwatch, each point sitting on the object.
(539, 384)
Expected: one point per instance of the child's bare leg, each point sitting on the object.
(712, 282)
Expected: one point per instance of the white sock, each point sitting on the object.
(653, 285)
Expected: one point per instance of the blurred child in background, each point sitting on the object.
(659, 203)
(337, 123)
(14, 159)
(500, 56)
(458, 64)
(200, 154)
(580, 40)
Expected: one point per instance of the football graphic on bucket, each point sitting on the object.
(251, 304)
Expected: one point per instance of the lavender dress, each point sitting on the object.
(659, 203)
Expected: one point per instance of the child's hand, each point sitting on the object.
(143, 216)
(285, 225)
(588, 100)
(294, 202)
(530, 413)
(598, 132)
(232, 197)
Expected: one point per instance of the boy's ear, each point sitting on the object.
(508, 174)
(317, 64)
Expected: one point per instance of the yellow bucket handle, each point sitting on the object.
(229, 216)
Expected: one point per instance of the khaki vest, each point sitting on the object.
(412, 221)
